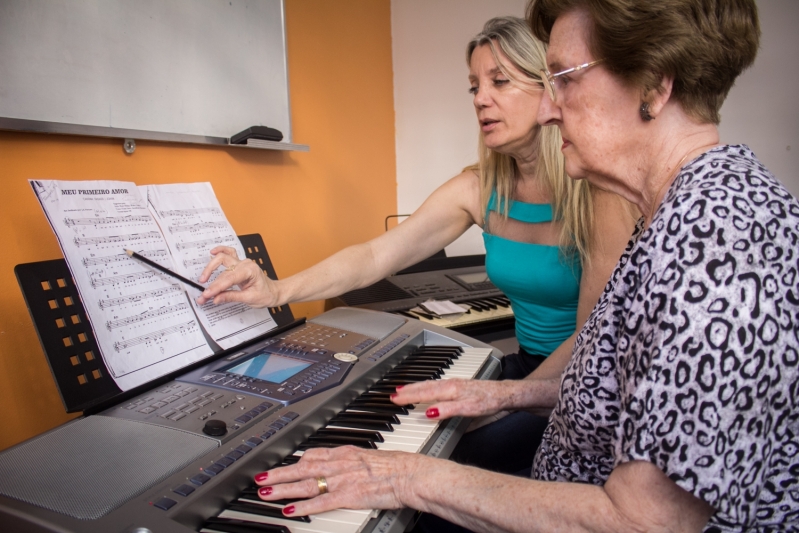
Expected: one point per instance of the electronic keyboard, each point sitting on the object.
(181, 456)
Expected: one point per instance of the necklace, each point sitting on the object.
(673, 174)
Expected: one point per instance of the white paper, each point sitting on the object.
(142, 319)
(193, 223)
(443, 307)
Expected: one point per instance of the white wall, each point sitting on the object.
(436, 130)
(436, 127)
(762, 109)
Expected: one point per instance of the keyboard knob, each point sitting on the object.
(215, 428)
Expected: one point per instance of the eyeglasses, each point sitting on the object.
(552, 78)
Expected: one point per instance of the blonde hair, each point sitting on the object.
(571, 200)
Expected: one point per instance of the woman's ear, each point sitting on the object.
(654, 100)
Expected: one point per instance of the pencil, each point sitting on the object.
(165, 270)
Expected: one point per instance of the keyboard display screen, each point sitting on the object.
(270, 367)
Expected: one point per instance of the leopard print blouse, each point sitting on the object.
(689, 360)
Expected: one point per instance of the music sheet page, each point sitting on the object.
(193, 223)
(142, 319)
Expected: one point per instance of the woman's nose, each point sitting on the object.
(548, 111)
(482, 98)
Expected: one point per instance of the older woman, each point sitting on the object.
(678, 410)
(550, 243)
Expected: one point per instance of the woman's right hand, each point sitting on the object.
(459, 397)
(256, 289)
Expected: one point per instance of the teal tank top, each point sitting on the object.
(542, 285)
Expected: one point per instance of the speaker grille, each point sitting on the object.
(89, 467)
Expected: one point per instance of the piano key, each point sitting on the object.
(410, 432)
(327, 430)
(226, 525)
(262, 509)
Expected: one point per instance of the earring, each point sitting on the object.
(644, 111)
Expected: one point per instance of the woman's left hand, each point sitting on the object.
(355, 479)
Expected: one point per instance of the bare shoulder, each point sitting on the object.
(461, 191)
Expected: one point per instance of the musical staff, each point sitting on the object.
(109, 239)
(194, 262)
(203, 243)
(190, 212)
(155, 335)
(125, 278)
(111, 259)
(197, 227)
(147, 315)
(139, 296)
(69, 222)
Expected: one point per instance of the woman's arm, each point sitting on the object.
(538, 393)
(443, 217)
(636, 497)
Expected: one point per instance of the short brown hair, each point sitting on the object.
(703, 44)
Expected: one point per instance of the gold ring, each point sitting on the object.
(321, 482)
(230, 268)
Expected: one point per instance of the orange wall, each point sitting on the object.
(305, 205)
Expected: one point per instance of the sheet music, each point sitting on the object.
(142, 319)
(192, 222)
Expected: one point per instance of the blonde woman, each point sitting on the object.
(551, 243)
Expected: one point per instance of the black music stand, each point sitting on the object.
(67, 338)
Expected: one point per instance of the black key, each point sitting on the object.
(251, 493)
(487, 303)
(374, 407)
(478, 306)
(439, 349)
(499, 302)
(362, 424)
(309, 444)
(264, 510)
(226, 461)
(373, 435)
(367, 417)
(435, 372)
(427, 373)
(227, 525)
(343, 440)
(430, 362)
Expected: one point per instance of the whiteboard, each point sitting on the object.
(196, 67)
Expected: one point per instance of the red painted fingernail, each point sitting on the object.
(260, 478)
(399, 387)
(392, 396)
(288, 510)
(265, 491)
(432, 412)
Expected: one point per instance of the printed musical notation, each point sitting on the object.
(140, 296)
(206, 244)
(116, 258)
(69, 222)
(109, 239)
(171, 213)
(125, 278)
(147, 315)
(155, 335)
(138, 310)
(196, 224)
(145, 324)
(197, 227)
